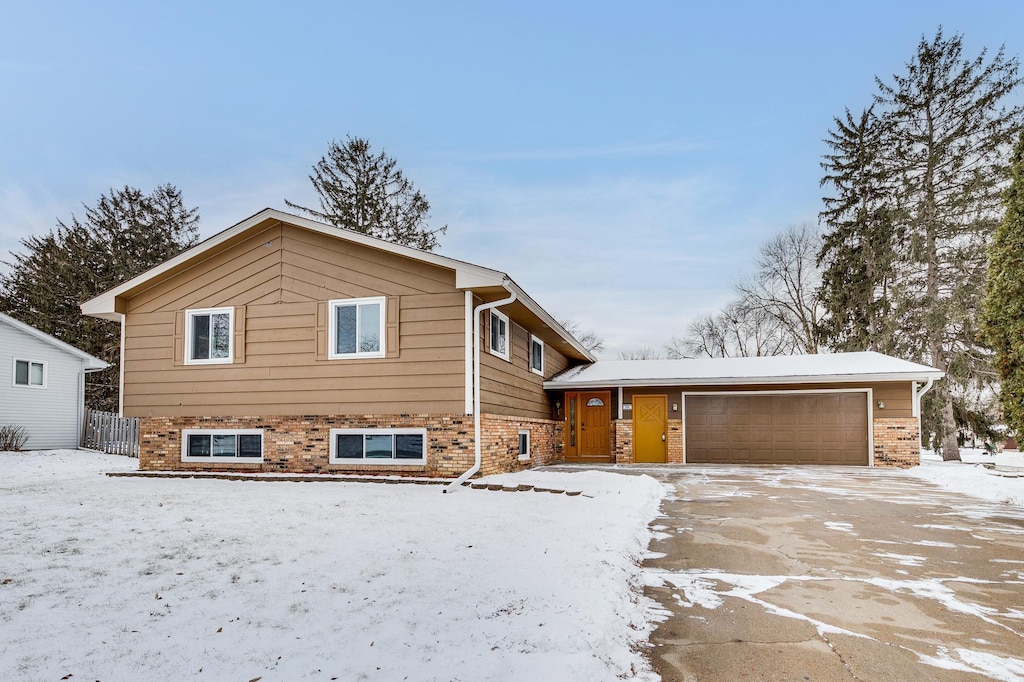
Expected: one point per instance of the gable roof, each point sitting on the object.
(92, 364)
(110, 304)
(781, 369)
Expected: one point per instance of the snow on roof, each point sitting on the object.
(834, 367)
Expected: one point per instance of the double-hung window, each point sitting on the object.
(29, 373)
(378, 446)
(536, 355)
(357, 328)
(208, 336)
(499, 334)
(222, 445)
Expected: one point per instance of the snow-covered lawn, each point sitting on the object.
(972, 478)
(131, 578)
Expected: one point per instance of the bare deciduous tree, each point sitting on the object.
(590, 339)
(785, 285)
(736, 331)
(641, 353)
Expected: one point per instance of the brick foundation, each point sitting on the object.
(897, 442)
(302, 444)
(622, 445)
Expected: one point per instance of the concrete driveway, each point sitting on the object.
(833, 573)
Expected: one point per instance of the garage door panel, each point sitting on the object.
(808, 428)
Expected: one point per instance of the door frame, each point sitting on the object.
(573, 419)
(868, 393)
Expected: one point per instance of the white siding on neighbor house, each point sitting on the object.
(50, 414)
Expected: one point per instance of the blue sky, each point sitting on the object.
(622, 161)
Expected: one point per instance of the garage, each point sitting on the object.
(777, 428)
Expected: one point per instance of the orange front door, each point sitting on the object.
(650, 428)
(595, 424)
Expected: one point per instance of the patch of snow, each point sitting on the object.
(143, 578)
(837, 525)
(902, 559)
(1000, 668)
(972, 480)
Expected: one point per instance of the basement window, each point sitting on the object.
(379, 446)
(524, 445)
(222, 445)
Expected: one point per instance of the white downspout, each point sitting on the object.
(918, 394)
(454, 485)
(917, 407)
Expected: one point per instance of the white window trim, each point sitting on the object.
(185, 433)
(190, 315)
(529, 451)
(332, 330)
(14, 373)
(508, 335)
(533, 340)
(363, 461)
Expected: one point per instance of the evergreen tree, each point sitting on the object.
(950, 130)
(125, 234)
(1003, 307)
(857, 252)
(916, 204)
(368, 193)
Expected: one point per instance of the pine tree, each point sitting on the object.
(125, 234)
(368, 193)
(950, 130)
(1003, 307)
(857, 252)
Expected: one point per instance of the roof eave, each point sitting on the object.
(745, 381)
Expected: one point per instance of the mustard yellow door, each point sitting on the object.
(650, 428)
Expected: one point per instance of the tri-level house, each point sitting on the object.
(284, 344)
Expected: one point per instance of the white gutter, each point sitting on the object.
(917, 396)
(570, 385)
(454, 485)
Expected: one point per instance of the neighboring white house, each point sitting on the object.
(42, 385)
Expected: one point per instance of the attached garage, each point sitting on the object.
(851, 409)
(777, 428)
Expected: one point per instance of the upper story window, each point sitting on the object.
(357, 328)
(29, 373)
(536, 355)
(208, 336)
(499, 334)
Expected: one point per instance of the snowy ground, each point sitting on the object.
(972, 478)
(131, 578)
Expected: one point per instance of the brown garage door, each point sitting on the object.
(793, 428)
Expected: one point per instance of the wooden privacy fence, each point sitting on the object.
(107, 432)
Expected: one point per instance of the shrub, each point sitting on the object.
(12, 437)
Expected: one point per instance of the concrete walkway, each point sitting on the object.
(833, 573)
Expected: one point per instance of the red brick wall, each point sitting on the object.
(897, 442)
(302, 444)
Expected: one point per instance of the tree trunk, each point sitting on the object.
(950, 448)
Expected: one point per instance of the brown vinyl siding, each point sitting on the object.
(509, 387)
(896, 395)
(280, 275)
